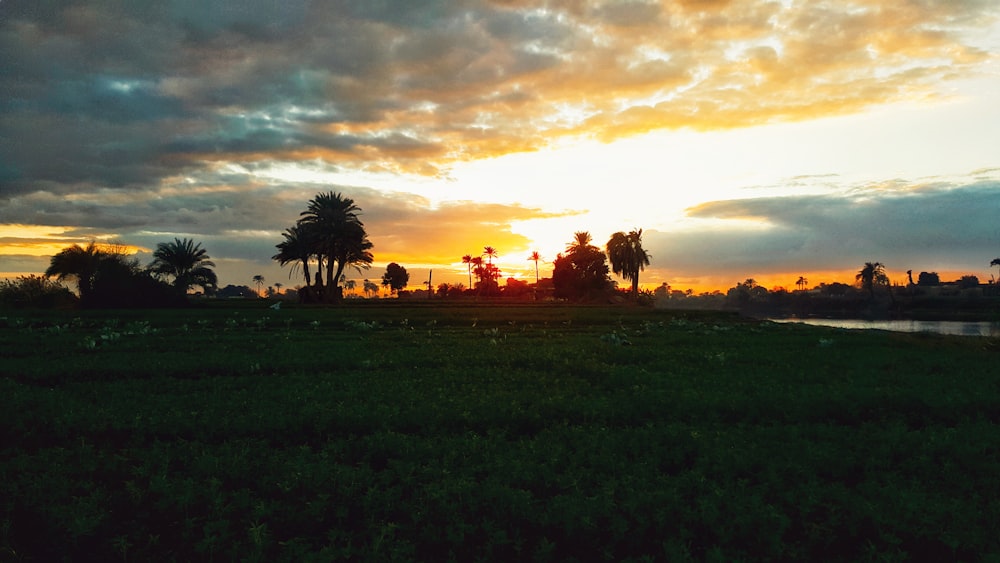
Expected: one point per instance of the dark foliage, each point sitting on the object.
(35, 292)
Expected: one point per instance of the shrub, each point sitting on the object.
(35, 292)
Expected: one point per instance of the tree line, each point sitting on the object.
(107, 276)
(331, 235)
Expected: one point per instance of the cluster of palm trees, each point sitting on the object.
(624, 251)
(108, 268)
(486, 272)
(330, 234)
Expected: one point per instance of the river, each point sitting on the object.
(959, 328)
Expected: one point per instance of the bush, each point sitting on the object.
(35, 292)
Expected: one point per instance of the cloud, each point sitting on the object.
(904, 225)
(149, 120)
(124, 95)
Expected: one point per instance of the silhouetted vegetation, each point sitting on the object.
(186, 263)
(582, 274)
(395, 277)
(26, 292)
(871, 297)
(331, 232)
(627, 257)
(106, 277)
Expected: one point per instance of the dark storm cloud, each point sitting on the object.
(907, 226)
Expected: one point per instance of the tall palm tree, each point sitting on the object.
(871, 275)
(278, 286)
(490, 253)
(581, 241)
(79, 264)
(338, 235)
(259, 281)
(627, 256)
(801, 283)
(467, 259)
(295, 250)
(535, 257)
(477, 268)
(188, 263)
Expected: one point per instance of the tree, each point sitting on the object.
(278, 286)
(467, 260)
(490, 253)
(295, 250)
(995, 262)
(627, 257)
(258, 280)
(801, 283)
(370, 288)
(968, 282)
(395, 277)
(186, 262)
(337, 237)
(79, 264)
(350, 285)
(872, 275)
(582, 273)
(535, 257)
(928, 278)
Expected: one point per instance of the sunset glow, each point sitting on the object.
(747, 139)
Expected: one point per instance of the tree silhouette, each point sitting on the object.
(872, 275)
(186, 262)
(336, 235)
(467, 260)
(801, 283)
(370, 288)
(395, 277)
(490, 253)
(295, 250)
(581, 241)
(627, 256)
(278, 286)
(259, 281)
(582, 273)
(79, 264)
(535, 257)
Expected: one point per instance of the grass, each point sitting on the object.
(539, 433)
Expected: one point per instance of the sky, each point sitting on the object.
(748, 139)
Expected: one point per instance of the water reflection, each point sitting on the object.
(959, 328)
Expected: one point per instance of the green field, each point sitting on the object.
(499, 433)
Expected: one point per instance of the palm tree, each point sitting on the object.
(370, 287)
(467, 259)
(278, 286)
(873, 274)
(490, 253)
(259, 281)
(78, 263)
(337, 235)
(627, 256)
(801, 283)
(350, 285)
(535, 257)
(581, 241)
(295, 250)
(477, 268)
(188, 263)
